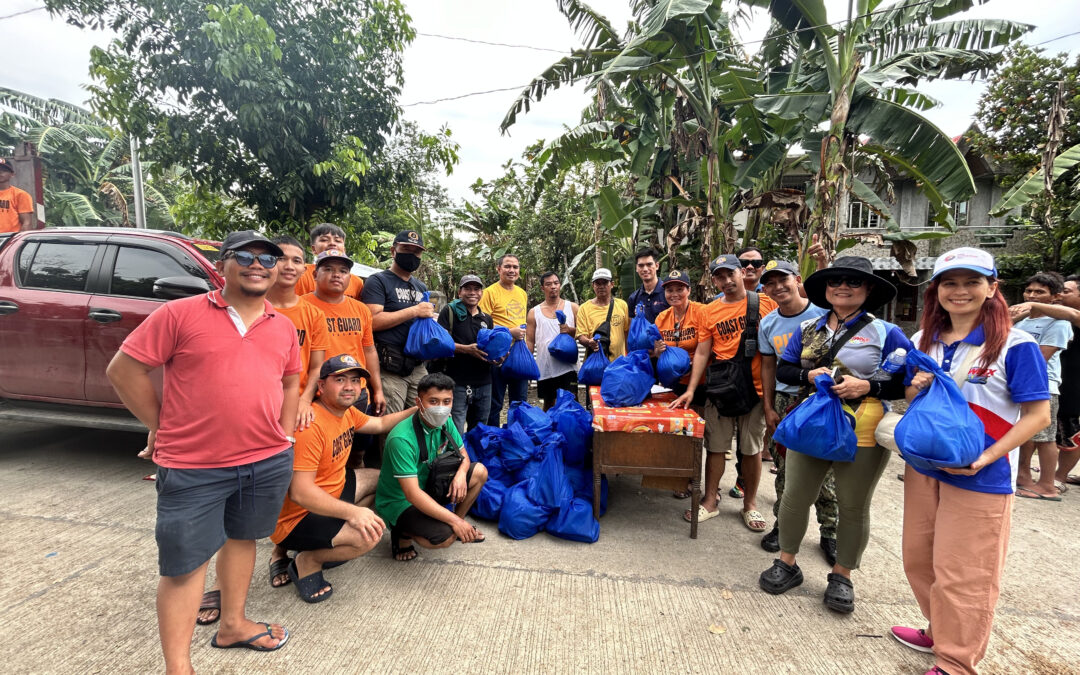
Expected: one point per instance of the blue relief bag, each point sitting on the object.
(671, 365)
(495, 342)
(642, 334)
(520, 517)
(520, 364)
(821, 426)
(428, 340)
(593, 367)
(563, 348)
(574, 422)
(628, 380)
(574, 521)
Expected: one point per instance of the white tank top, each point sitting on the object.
(546, 331)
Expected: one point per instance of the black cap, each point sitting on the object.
(851, 266)
(332, 254)
(676, 277)
(241, 238)
(341, 363)
(779, 267)
(6, 165)
(409, 237)
(470, 279)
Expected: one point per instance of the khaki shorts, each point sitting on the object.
(720, 431)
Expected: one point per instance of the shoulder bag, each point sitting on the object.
(443, 467)
(729, 384)
(604, 330)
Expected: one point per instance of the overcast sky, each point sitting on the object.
(48, 58)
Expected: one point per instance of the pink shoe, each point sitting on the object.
(935, 671)
(914, 638)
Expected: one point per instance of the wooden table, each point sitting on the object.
(647, 440)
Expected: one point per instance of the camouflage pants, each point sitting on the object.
(827, 510)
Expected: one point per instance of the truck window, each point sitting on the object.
(137, 269)
(60, 266)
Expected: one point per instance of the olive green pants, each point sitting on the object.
(855, 483)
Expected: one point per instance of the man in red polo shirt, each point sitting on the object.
(221, 437)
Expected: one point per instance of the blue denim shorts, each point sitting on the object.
(198, 509)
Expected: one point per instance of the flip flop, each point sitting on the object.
(703, 514)
(1073, 479)
(396, 550)
(210, 600)
(308, 586)
(753, 517)
(1031, 494)
(280, 566)
(1062, 488)
(250, 642)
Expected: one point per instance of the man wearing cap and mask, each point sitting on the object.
(327, 514)
(402, 497)
(395, 299)
(783, 285)
(221, 437)
(16, 206)
(594, 317)
(469, 369)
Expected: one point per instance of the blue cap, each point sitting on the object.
(780, 267)
(726, 261)
(676, 277)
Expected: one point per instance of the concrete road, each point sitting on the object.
(77, 592)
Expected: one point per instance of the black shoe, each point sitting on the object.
(828, 547)
(780, 578)
(840, 594)
(771, 541)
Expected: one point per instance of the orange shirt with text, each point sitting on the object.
(310, 333)
(13, 201)
(692, 327)
(725, 323)
(348, 324)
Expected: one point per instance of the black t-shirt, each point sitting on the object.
(464, 369)
(387, 289)
(1069, 400)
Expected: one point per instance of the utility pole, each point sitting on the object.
(137, 180)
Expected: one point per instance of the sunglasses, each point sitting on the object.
(245, 258)
(752, 263)
(835, 282)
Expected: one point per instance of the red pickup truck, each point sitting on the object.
(68, 298)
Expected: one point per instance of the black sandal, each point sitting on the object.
(278, 567)
(309, 586)
(396, 550)
(210, 600)
(780, 578)
(840, 594)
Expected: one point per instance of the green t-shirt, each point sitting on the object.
(401, 459)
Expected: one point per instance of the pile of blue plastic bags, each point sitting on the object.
(538, 479)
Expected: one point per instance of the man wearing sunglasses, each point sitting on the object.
(221, 435)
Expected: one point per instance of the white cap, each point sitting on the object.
(601, 273)
(966, 258)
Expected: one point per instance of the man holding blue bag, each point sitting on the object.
(507, 303)
(469, 369)
(542, 327)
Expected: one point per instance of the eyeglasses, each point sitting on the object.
(245, 258)
(835, 282)
(752, 263)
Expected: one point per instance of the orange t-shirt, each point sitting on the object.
(306, 283)
(310, 333)
(13, 201)
(323, 448)
(725, 323)
(348, 324)
(691, 328)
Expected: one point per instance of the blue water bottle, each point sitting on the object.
(894, 361)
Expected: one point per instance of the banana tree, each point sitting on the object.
(859, 75)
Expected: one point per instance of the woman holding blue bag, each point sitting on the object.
(849, 344)
(956, 521)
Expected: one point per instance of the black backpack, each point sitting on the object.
(729, 384)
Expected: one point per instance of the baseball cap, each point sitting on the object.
(5, 164)
(470, 279)
(409, 237)
(242, 238)
(676, 277)
(601, 273)
(779, 267)
(965, 258)
(332, 254)
(725, 261)
(340, 364)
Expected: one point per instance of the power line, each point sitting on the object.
(1060, 37)
(25, 11)
(492, 44)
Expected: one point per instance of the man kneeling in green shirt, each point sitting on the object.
(400, 496)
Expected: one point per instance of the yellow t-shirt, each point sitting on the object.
(590, 316)
(507, 308)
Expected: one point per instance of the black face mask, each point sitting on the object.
(407, 261)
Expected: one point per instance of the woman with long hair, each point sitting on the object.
(956, 521)
(851, 344)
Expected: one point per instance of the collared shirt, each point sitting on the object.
(994, 393)
(222, 392)
(654, 302)
(775, 331)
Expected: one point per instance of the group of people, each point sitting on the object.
(275, 386)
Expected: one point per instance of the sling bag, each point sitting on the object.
(604, 330)
(443, 467)
(729, 384)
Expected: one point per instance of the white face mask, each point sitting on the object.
(435, 415)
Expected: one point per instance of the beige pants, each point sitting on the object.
(400, 392)
(720, 430)
(954, 553)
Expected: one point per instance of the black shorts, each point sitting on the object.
(1068, 431)
(315, 532)
(547, 390)
(415, 523)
